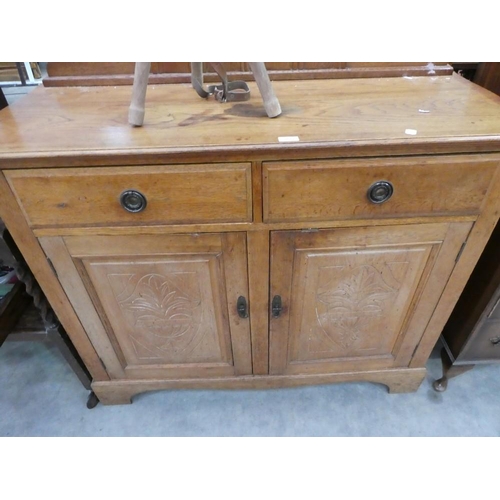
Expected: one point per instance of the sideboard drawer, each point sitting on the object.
(484, 344)
(172, 194)
(338, 189)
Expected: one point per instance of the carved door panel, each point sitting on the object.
(159, 306)
(357, 298)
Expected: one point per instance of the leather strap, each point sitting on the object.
(236, 91)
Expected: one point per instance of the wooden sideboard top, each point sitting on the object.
(332, 118)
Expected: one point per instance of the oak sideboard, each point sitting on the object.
(217, 248)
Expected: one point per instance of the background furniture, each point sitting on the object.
(472, 334)
(488, 76)
(91, 73)
(20, 73)
(3, 100)
(216, 248)
(25, 315)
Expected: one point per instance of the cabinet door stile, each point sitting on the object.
(282, 254)
(258, 275)
(234, 251)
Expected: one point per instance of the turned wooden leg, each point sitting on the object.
(60, 339)
(271, 103)
(196, 73)
(449, 371)
(137, 105)
(92, 401)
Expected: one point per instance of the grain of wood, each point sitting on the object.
(175, 194)
(337, 189)
(89, 127)
(258, 276)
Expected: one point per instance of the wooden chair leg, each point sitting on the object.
(197, 72)
(3, 100)
(11, 308)
(449, 371)
(61, 340)
(137, 105)
(271, 103)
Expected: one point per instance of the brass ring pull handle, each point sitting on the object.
(380, 192)
(133, 201)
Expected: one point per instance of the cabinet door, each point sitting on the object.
(357, 298)
(162, 306)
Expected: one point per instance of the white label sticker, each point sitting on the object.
(410, 131)
(423, 111)
(289, 138)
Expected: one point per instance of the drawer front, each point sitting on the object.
(484, 345)
(338, 189)
(180, 194)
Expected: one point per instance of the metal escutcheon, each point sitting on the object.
(133, 201)
(276, 306)
(380, 191)
(242, 307)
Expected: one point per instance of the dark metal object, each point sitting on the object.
(276, 306)
(92, 400)
(380, 191)
(236, 91)
(242, 307)
(133, 201)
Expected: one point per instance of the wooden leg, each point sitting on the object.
(11, 308)
(66, 348)
(137, 105)
(197, 72)
(449, 371)
(271, 103)
(92, 400)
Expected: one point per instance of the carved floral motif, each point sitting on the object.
(165, 316)
(347, 301)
